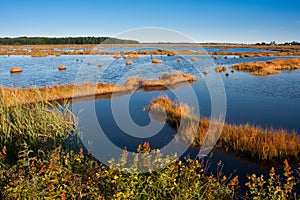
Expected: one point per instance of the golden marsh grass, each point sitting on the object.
(269, 67)
(247, 140)
(12, 96)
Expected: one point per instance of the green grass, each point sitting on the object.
(41, 126)
(36, 163)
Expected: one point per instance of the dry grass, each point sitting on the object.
(156, 61)
(62, 67)
(131, 56)
(13, 96)
(117, 56)
(247, 140)
(49, 50)
(220, 69)
(128, 63)
(154, 52)
(269, 67)
(15, 70)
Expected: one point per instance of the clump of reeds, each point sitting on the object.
(220, 69)
(131, 56)
(41, 126)
(156, 61)
(62, 67)
(268, 67)
(16, 70)
(128, 63)
(153, 52)
(39, 53)
(248, 140)
(117, 56)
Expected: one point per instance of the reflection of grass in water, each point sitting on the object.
(269, 67)
(248, 140)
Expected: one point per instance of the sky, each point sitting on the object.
(241, 21)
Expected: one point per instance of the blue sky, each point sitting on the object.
(243, 21)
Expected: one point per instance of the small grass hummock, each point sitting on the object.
(247, 140)
(268, 67)
(220, 69)
(16, 70)
(156, 61)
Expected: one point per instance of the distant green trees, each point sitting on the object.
(63, 40)
(292, 43)
(274, 43)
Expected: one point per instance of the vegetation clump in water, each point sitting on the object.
(247, 140)
(62, 92)
(269, 67)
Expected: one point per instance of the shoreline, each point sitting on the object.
(90, 49)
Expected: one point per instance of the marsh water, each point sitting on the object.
(270, 101)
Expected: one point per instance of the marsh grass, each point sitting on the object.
(268, 67)
(247, 140)
(40, 126)
(12, 96)
(49, 50)
(221, 69)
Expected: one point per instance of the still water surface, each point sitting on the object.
(271, 101)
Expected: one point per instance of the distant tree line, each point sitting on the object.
(63, 40)
(274, 43)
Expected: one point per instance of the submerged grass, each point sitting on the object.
(268, 67)
(247, 140)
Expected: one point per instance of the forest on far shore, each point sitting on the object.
(63, 40)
